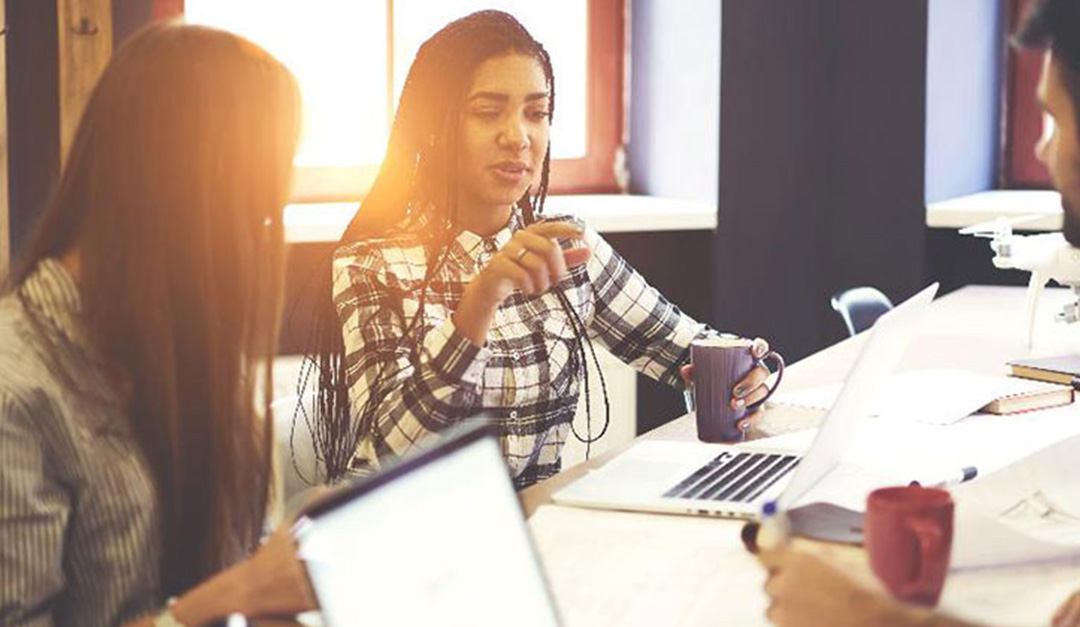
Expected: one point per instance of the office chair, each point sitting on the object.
(860, 307)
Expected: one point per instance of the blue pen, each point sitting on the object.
(774, 528)
(966, 474)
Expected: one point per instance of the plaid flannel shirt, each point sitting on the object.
(523, 378)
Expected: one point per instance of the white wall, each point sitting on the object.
(674, 147)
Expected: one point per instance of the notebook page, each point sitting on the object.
(617, 568)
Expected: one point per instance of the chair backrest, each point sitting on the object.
(860, 307)
(300, 471)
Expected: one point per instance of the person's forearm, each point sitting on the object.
(475, 313)
(897, 615)
(214, 599)
(210, 601)
(941, 620)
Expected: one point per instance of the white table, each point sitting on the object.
(609, 568)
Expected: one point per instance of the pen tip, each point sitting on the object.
(749, 536)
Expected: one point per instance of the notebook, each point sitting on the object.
(1044, 396)
(1063, 370)
(943, 396)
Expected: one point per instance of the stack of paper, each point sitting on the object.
(939, 397)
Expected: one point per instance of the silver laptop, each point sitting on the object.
(438, 539)
(735, 480)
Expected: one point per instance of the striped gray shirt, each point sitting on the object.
(79, 536)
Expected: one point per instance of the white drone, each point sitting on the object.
(1046, 256)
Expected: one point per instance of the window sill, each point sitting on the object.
(965, 211)
(607, 213)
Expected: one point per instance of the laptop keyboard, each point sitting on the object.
(738, 477)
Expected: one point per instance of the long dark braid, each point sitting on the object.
(580, 361)
(417, 188)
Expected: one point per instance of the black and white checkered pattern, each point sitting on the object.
(523, 378)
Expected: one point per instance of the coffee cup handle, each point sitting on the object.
(775, 356)
(929, 535)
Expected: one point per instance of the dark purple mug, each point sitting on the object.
(720, 363)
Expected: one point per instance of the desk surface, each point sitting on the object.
(598, 580)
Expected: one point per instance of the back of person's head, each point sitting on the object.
(419, 169)
(172, 197)
(1053, 24)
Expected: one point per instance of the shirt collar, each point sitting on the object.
(471, 244)
(51, 290)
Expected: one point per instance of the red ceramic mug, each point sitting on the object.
(909, 538)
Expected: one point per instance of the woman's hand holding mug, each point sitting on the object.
(743, 398)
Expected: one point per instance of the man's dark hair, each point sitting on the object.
(1054, 25)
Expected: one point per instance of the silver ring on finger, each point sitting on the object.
(521, 254)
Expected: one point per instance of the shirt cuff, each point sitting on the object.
(454, 357)
(685, 333)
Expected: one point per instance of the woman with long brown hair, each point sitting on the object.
(136, 337)
(455, 296)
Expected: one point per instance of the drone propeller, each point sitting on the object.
(998, 227)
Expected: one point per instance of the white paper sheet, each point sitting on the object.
(1026, 512)
(617, 569)
(610, 569)
(888, 452)
(1021, 596)
(939, 396)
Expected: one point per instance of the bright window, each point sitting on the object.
(351, 59)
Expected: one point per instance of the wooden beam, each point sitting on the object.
(85, 43)
(5, 214)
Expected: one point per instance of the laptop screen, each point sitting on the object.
(441, 542)
(879, 356)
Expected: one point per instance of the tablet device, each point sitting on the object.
(437, 538)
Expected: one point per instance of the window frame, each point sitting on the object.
(1023, 115)
(601, 170)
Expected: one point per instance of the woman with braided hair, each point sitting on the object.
(454, 296)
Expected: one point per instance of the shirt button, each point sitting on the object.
(513, 415)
